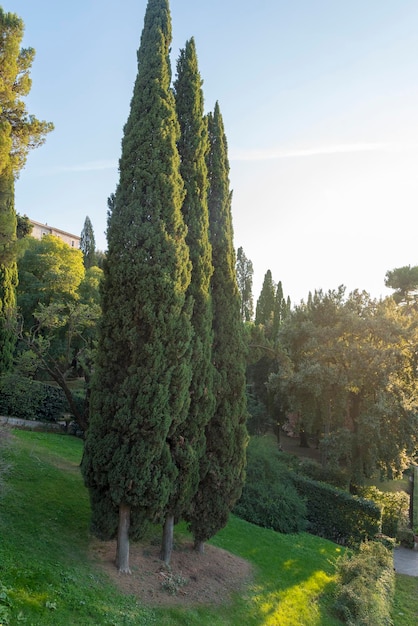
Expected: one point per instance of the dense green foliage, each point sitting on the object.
(19, 132)
(188, 441)
(50, 271)
(337, 515)
(269, 498)
(30, 399)
(394, 506)
(366, 586)
(245, 272)
(347, 370)
(140, 392)
(88, 244)
(222, 468)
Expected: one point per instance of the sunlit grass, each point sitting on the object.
(48, 578)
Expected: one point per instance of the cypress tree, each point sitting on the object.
(265, 304)
(140, 394)
(223, 466)
(88, 244)
(245, 272)
(188, 443)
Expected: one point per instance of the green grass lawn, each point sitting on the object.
(46, 576)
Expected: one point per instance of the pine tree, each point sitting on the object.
(88, 244)
(223, 467)
(140, 394)
(189, 441)
(19, 132)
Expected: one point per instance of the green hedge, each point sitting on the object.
(366, 586)
(30, 399)
(335, 514)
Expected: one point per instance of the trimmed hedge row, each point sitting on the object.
(30, 399)
(337, 515)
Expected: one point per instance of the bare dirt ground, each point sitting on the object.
(192, 579)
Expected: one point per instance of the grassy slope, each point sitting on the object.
(46, 576)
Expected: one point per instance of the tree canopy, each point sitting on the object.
(347, 368)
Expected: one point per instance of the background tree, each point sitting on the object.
(266, 302)
(88, 244)
(19, 132)
(404, 280)
(49, 271)
(245, 273)
(188, 442)
(348, 370)
(58, 316)
(140, 393)
(223, 467)
(24, 226)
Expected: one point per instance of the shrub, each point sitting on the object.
(366, 586)
(30, 399)
(337, 515)
(269, 498)
(395, 508)
(313, 469)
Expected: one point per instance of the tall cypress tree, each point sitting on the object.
(223, 466)
(189, 441)
(140, 394)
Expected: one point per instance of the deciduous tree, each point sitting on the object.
(349, 370)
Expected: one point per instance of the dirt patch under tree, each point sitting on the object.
(192, 579)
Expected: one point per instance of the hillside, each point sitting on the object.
(53, 572)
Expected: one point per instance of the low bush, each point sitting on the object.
(312, 469)
(337, 515)
(29, 399)
(366, 587)
(394, 505)
(269, 499)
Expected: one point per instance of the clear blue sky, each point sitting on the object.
(320, 105)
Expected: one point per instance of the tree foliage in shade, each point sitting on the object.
(223, 467)
(88, 244)
(19, 132)
(188, 443)
(245, 272)
(140, 396)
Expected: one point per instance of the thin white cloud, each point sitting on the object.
(90, 166)
(344, 148)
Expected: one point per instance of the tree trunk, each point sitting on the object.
(167, 542)
(122, 550)
(199, 546)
